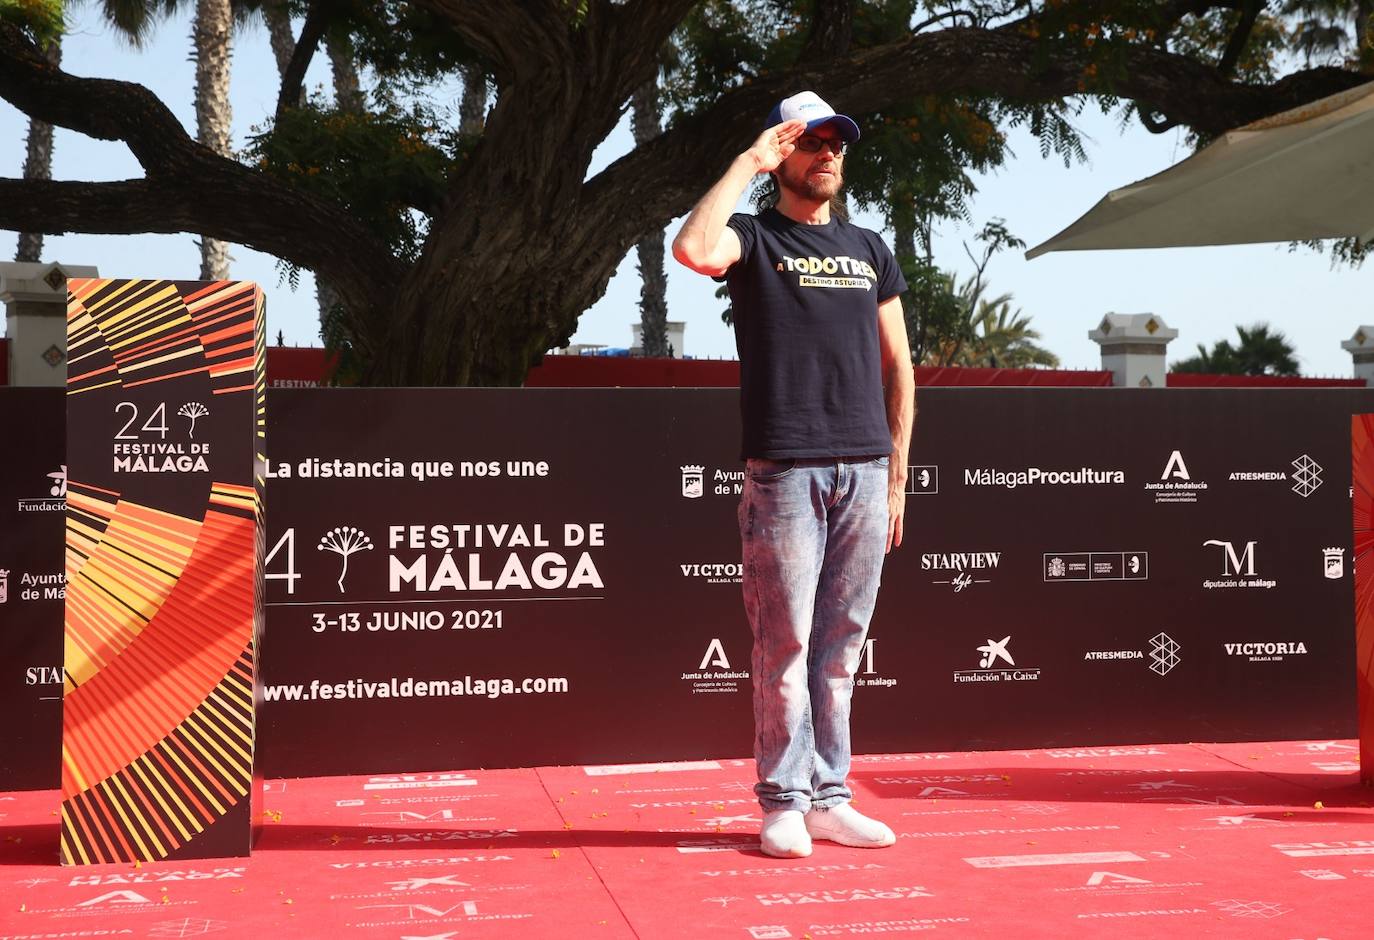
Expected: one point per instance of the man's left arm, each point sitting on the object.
(899, 392)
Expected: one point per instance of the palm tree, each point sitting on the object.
(38, 161)
(212, 34)
(1259, 352)
(1004, 339)
(645, 115)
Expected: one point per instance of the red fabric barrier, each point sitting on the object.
(1201, 380)
(299, 367)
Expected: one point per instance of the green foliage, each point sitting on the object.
(943, 316)
(1258, 352)
(1003, 338)
(936, 319)
(380, 164)
(41, 19)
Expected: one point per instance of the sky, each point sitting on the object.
(1204, 293)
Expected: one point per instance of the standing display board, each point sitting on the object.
(164, 437)
(33, 499)
(478, 578)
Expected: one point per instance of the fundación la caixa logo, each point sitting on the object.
(55, 501)
(995, 653)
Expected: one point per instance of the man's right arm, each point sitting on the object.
(706, 244)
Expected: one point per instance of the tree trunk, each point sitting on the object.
(278, 20)
(653, 289)
(472, 107)
(348, 91)
(38, 163)
(211, 35)
(1364, 40)
(348, 96)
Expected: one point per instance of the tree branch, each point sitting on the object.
(511, 36)
(832, 27)
(1240, 36)
(293, 78)
(662, 179)
(189, 188)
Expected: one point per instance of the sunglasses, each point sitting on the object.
(809, 144)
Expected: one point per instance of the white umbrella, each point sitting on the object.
(1305, 173)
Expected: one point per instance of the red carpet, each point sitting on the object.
(1230, 840)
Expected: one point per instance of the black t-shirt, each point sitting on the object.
(805, 305)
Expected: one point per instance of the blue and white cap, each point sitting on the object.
(809, 107)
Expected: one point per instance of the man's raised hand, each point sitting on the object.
(776, 144)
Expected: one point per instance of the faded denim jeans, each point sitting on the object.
(813, 532)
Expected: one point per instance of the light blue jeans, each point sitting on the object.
(814, 534)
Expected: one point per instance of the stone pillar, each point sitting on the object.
(1361, 349)
(1133, 348)
(676, 329)
(35, 298)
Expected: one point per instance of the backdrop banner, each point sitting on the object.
(477, 578)
(33, 499)
(164, 435)
(480, 578)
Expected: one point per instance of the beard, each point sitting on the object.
(809, 187)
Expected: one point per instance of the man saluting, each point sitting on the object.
(827, 399)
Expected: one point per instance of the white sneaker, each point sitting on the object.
(784, 834)
(847, 826)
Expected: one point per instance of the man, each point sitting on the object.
(827, 399)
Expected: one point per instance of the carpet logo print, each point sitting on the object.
(187, 927)
(1259, 910)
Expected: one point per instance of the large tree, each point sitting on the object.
(460, 260)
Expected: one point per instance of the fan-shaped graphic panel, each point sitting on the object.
(163, 563)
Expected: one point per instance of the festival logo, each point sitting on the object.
(344, 541)
(193, 410)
